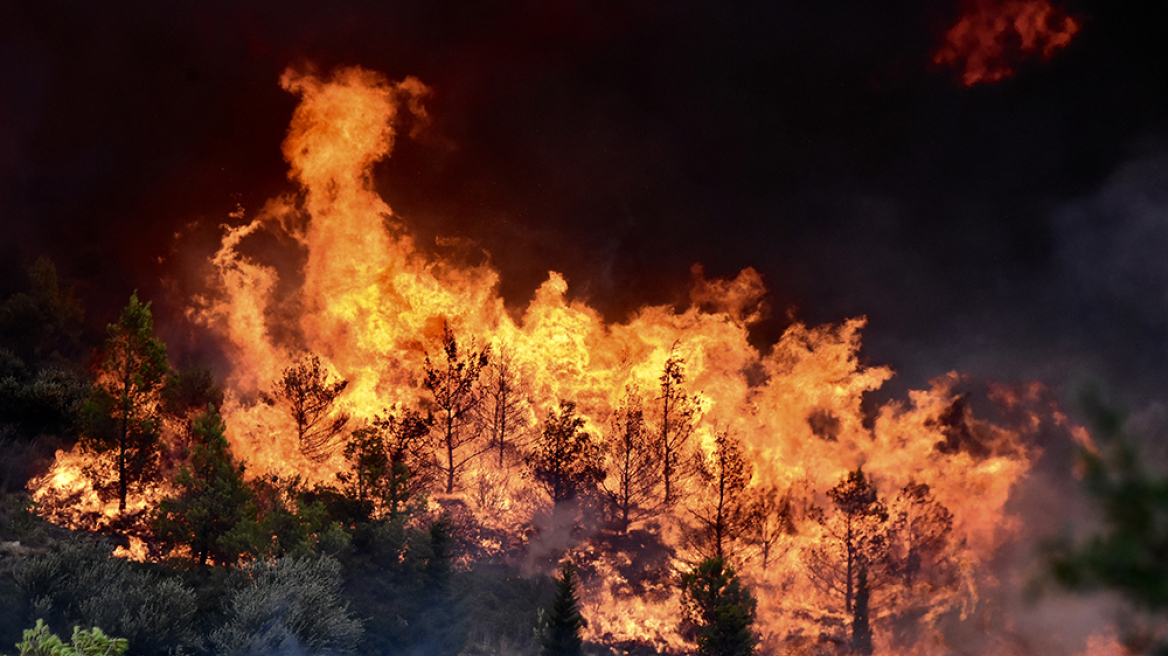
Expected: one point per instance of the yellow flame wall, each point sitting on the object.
(371, 304)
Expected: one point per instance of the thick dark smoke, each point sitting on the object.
(1011, 230)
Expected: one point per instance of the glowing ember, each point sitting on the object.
(992, 35)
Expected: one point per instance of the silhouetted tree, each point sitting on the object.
(721, 507)
(633, 472)
(389, 468)
(718, 610)
(124, 409)
(49, 400)
(562, 633)
(311, 395)
(454, 387)
(919, 571)
(43, 326)
(565, 459)
(212, 495)
(188, 391)
(501, 411)
(853, 551)
(918, 535)
(676, 416)
(43, 387)
(769, 519)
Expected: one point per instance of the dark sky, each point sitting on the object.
(1016, 230)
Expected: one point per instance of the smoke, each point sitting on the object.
(1113, 275)
(1112, 244)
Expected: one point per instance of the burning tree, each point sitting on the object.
(501, 411)
(211, 496)
(124, 414)
(387, 467)
(311, 395)
(918, 536)
(724, 515)
(854, 546)
(676, 419)
(565, 459)
(454, 387)
(632, 469)
(769, 519)
(718, 610)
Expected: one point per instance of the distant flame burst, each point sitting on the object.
(992, 36)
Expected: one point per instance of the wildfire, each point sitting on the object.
(992, 36)
(375, 310)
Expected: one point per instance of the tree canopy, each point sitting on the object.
(124, 411)
(718, 610)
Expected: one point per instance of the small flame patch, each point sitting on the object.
(991, 37)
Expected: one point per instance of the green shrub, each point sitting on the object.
(291, 604)
(78, 582)
(39, 642)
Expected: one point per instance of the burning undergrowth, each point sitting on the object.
(639, 448)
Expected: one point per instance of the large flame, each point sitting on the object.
(372, 305)
(991, 36)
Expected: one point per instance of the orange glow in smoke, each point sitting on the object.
(992, 36)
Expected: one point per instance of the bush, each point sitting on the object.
(78, 582)
(287, 605)
(39, 642)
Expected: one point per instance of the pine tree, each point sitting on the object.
(769, 519)
(124, 411)
(562, 634)
(854, 552)
(677, 415)
(311, 395)
(722, 509)
(719, 611)
(502, 411)
(632, 469)
(565, 459)
(211, 495)
(454, 388)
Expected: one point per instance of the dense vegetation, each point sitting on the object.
(248, 567)
(255, 564)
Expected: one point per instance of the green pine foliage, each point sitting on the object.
(44, 325)
(124, 412)
(719, 610)
(562, 633)
(279, 520)
(1128, 552)
(42, 382)
(211, 499)
(389, 466)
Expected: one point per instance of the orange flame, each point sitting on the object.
(372, 305)
(991, 35)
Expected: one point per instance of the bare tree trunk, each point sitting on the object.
(450, 454)
(861, 627)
